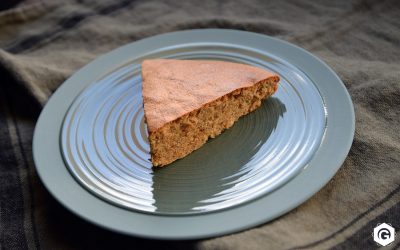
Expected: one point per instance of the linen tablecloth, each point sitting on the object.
(43, 42)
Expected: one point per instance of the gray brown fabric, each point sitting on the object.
(43, 43)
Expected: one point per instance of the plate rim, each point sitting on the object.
(339, 131)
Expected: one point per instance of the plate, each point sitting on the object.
(104, 140)
(91, 150)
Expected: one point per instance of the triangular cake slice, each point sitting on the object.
(186, 102)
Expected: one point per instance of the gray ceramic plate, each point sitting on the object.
(91, 149)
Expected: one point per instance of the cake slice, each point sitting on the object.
(186, 102)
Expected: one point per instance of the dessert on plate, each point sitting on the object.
(186, 102)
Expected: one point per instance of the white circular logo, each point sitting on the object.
(384, 234)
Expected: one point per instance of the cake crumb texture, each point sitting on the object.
(184, 106)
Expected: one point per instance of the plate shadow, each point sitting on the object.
(185, 185)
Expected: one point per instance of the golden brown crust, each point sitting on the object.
(187, 102)
(173, 88)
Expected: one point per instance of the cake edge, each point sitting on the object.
(273, 81)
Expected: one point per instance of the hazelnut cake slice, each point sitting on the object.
(186, 102)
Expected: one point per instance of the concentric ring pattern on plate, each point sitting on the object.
(104, 140)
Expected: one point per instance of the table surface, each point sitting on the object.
(44, 42)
